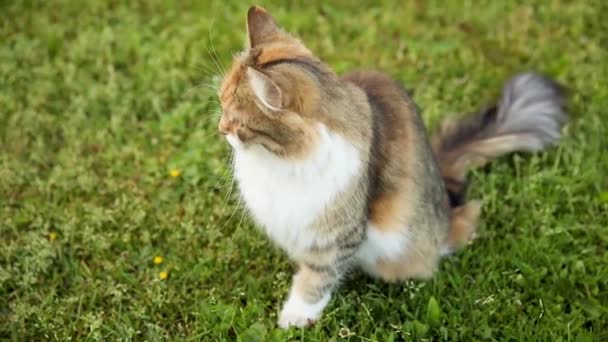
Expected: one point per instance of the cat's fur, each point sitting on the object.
(339, 170)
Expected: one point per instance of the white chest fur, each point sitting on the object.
(284, 196)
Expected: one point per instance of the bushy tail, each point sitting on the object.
(528, 117)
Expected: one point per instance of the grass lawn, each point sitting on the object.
(110, 157)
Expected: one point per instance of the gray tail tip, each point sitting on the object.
(533, 102)
(537, 86)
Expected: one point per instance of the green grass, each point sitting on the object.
(100, 100)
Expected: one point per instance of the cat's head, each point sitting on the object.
(272, 95)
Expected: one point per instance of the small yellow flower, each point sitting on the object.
(175, 173)
(163, 275)
(158, 260)
(52, 236)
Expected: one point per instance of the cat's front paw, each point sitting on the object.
(294, 319)
(298, 313)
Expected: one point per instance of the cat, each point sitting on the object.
(340, 173)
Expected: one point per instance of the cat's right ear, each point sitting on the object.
(261, 27)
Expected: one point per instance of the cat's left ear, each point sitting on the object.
(261, 27)
(265, 89)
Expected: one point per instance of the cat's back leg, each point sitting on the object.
(397, 245)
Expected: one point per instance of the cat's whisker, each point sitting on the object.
(213, 72)
(223, 186)
(219, 105)
(226, 174)
(227, 199)
(238, 206)
(217, 59)
(215, 62)
(219, 179)
(214, 57)
(206, 136)
(238, 227)
(206, 70)
(206, 85)
(197, 87)
(201, 85)
(229, 194)
(209, 119)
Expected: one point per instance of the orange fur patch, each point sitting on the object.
(388, 211)
(463, 225)
(414, 265)
(282, 50)
(231, 82)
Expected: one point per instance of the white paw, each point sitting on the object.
(296, 312)
(293, 319)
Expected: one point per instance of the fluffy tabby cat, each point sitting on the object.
(339, 170)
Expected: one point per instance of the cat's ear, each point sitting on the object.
(260, 26)
(266, 90)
